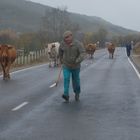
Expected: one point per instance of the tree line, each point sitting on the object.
(54, 23)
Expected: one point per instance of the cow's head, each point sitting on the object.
(53, 45)
(3, 50)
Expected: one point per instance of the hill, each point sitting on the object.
(26, 16)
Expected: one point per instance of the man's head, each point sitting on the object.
(68, 37)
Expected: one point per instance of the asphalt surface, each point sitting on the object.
(109, 106)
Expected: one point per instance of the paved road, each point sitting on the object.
(109, 106)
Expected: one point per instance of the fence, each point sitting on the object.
(31, 57)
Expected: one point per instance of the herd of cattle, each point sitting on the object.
(8, 55)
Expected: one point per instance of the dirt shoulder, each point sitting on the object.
(136, 60)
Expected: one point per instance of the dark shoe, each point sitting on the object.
(66, 98)
(76, 97)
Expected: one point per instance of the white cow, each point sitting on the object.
(53, 53)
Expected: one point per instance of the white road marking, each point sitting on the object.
(24, 69)
(138, 74)
(20, 106)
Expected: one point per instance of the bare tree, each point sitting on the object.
(7, 36)
(56, 21)
(102, 35)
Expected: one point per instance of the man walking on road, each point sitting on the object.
(72, 53)
(128, 49)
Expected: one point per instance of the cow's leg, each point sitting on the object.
(50, 59)
(4, 73)
(113, 53)
(54, 62)
(57, 61)
(90, 56)
(109, 55)
(49, 64)
(7, 71)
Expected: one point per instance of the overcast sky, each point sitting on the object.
(125, 13)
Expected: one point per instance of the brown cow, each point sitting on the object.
(90, 49)
(111, 49)
(7, 57)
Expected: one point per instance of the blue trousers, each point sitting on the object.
(74, 74)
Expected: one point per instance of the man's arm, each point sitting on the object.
(82, 53)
